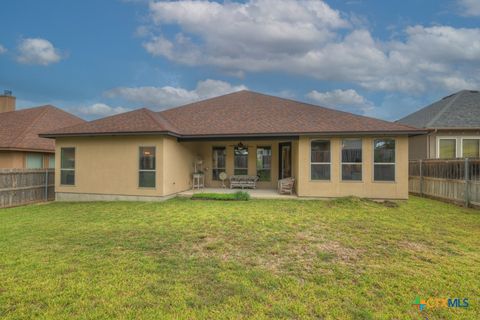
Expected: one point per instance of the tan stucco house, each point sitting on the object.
(20, 145)
(453, 128)
(146, 155)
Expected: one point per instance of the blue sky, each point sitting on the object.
(379, 58)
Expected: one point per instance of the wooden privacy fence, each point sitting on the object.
(452, 180)
(23, 186)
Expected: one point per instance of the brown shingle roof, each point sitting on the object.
(236, 114)
(19, 129)
(137, 121)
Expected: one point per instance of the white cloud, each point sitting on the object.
(348, 100)
(101, 109)
(469, 7)
(253, 29)
(2, 49)
(164, 97)
(310, 38)
(37, 51)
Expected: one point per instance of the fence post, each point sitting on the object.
(467, 183)
(421, 177)
(46, 184)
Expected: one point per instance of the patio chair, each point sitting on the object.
(286, 185)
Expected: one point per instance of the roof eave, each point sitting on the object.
(239, 135)
(94, 134)
(27, 149)
(453, 128)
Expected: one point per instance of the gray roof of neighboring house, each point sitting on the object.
(460, 110)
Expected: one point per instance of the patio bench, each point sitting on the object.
(243, 181)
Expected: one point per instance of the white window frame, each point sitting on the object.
(457, 149)
(468, 138)
(458, 144)
(384, 163)
(147, 170)
(312, 163)
(351, 163)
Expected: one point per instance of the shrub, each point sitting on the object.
(242, 195)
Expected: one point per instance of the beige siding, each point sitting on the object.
(109, 165)
(296, 162)
(418, 147)
(366, 188)
(12, 159)
(178, 166)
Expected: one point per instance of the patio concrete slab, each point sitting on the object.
(254, 193)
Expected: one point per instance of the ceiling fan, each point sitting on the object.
(240, 146)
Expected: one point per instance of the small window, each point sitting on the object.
(471, 148)
(240, 161)
(67, 168)
(320, 160)
(147, 168)
(264, 163)
(51, 161)
(34, 161)
(448, 148)
(219, 155)
(352, 160)
(384, 160)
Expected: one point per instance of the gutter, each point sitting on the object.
(298, 134)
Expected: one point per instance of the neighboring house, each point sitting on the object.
(148, 155)
(20, 145)
(453, 125)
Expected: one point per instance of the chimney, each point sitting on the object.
(7, 101)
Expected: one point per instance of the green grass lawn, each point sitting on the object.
(184, 259)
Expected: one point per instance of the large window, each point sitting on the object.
(67, 166)
(447, 148)
(320, 160)
(471, 148)
(218, 162)
(352, 159)
(384, 160)
(240, 161)
(34, 161)
(147, 168)
(264, 163)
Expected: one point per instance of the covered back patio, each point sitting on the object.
(265, 161)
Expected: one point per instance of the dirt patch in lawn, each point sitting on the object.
(304, 251)
(413, 246)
